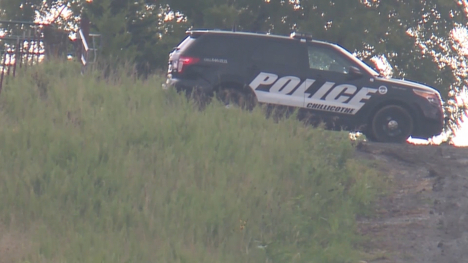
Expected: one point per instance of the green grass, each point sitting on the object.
(119, 170)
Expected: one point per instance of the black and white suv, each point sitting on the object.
(320, 79)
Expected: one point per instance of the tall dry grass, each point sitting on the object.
(119, 170)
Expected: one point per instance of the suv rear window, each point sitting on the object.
(217, 46)
(185, 43)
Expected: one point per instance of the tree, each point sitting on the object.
(133, 31)
(19, 10)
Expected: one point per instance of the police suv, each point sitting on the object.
(321, 79)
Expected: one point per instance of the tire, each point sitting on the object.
(236, 96)
(392, 124)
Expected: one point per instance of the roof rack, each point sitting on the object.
(301, 36)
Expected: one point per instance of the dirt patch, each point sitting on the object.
(14, 246)
(424, 218)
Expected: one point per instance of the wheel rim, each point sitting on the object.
(392, 124)
(392, 127)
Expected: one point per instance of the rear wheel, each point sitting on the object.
(392, 123)
(236, 96)
(199, 97)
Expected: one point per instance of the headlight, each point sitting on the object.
(432, 97)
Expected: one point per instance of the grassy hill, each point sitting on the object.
(119, 170)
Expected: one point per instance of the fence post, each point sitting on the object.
(84, 37)
(3, 69)
(16, 55)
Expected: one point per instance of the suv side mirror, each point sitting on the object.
(355, 72)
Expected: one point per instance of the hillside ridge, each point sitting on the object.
(422, 218)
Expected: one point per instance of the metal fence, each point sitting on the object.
(21, 45)
(24, 44)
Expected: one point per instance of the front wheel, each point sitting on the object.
(392, 124)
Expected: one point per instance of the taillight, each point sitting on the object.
(186, 61)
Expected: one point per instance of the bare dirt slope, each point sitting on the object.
(424, 217)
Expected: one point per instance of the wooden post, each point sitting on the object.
(85, 26)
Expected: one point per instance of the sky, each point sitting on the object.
(462, 138)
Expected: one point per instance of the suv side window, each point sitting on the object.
(217, 46)
(279, 54)
(321, 58)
